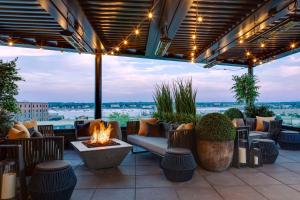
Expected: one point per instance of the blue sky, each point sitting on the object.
(56, 76)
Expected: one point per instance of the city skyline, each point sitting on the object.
(69, 77)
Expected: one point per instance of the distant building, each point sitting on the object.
(32, 110)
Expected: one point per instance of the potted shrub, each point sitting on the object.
(234, 113)
(215, 141)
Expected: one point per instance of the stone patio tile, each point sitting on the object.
(115, 181)
(122, 170)
(278, 192)
(258, 179)
(114, 194)
(156, 194)
(153, 181)
(197, 181)
(283, 159)
(203, 172)
(272, 168)
(75, 163)
(147, 159)
(82, 194)
(197, 194)
(224, 179)
(239, 192)
(296, 187)
(87, 181)
(286, 177)
(243, 170)
(148, 170)
(292, 166)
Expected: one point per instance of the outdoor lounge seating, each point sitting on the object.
(159, 145)
(289, 140)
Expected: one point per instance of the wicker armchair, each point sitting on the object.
(37, 150)
(46, 130)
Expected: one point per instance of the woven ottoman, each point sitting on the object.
(52, 180)
(178, 164)
(289, 140)
(269, 150)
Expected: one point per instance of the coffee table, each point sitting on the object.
(102, 157)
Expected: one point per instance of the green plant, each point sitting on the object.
(122, 118)
(185, 97)
(8, 87)
(163, 99)
(215, 127)
(177, 118)
(245, 88)
(233, 113)
(6, 122)
(262, 111)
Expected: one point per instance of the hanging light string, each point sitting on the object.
(136, 31)
(198, 19)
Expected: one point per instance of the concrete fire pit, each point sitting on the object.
(102, 157)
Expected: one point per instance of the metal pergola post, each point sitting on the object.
(250, 70)
(98, 86)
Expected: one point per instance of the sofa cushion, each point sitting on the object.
(260, 122)
(21, 127)
(157, 145)
(14, 134)
(257, 135)
(31, 124)
(143, 125)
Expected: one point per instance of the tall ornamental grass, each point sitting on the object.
(163, 99)
(184, 96)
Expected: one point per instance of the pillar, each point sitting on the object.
(98, 86)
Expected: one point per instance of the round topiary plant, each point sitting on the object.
(234, 113)
(215, 127)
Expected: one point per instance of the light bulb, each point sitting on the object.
(241, 41)
(192, 54)
(10, 43)
(137, 31)
(125, 42)
(199, 19)
(117, 49)
(194, 47)
(248, 53)
(150, 15)
(194, 36)
(293, 45)
(254, 60)
(262, 45)
(112, 53)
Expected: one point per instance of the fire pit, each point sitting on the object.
(101, 151)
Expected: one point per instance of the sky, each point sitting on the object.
(69, 77)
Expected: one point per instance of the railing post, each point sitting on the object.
(98, 86)
(250, 70)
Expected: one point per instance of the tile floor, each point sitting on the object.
(140, 178)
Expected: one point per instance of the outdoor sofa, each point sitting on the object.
(158, 145)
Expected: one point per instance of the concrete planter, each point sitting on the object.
(215, 155)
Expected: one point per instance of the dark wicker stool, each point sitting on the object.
(269, 150)
(178, 164)
(289, 140)
(52, 180)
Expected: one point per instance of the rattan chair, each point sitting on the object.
(46, 130)
(37, 150)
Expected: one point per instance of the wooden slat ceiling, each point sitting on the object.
(219, 17)
(115, 20)
(26, 22)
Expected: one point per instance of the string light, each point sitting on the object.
(241, 41)
(192, 54)
(254, 60)
(200, 19)
(193, 60)
(194, 47)
(125, 42)
(262, 45)
(194, 36)
(150, 15)
(10, 43)
(117, 49)
(293, 45)
(137, 31)
(248, 53)
(112, 53)
(260, 62)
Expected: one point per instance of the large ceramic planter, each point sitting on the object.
(215, 155)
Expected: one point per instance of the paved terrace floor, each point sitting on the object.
(140, 177)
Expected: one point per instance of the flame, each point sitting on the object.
(101, 134)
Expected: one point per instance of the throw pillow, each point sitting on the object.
(31, 124)
(143, 125)
(153, 130)
(266, 126)
(21, 127)
(36, 134)
(14, 133)
(188, 126)
(260, 124)
(180, 127)
(238, 122)
(31, 131)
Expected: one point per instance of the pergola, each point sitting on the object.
(243, 33)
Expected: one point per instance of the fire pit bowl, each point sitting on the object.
(102, 156)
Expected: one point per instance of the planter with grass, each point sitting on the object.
(215, 143)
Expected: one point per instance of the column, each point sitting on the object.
(98, 86)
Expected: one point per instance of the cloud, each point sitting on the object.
(6, 51)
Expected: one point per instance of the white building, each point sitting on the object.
(32, 110)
